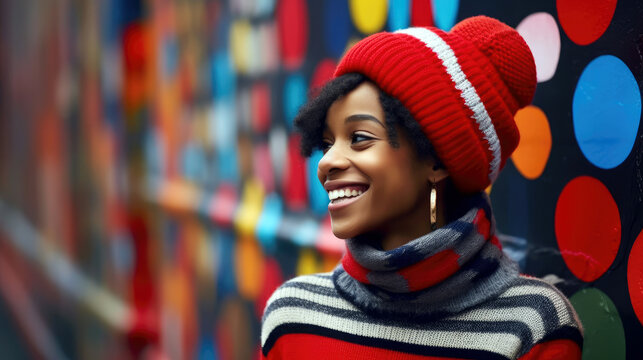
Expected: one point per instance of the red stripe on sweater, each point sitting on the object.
(315, 347)
(354, 269)
(495, 241)
(482, 224)
(562, 349)
(432, 270)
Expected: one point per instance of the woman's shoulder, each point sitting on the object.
(304, 287)
(302, 298)
(542, 306)
(302, 302)
(538, 293)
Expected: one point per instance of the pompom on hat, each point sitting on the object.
(463, 87)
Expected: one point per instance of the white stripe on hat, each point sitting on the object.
(467, 91)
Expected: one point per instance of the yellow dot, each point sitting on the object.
(241, 45)
(249, 211)
(532, 152)
(369, 16)
(307, 263)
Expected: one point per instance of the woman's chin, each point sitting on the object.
(343, 231)
(340, 234)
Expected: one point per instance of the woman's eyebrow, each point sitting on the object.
(362, 117)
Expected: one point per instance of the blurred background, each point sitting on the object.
(152, 195)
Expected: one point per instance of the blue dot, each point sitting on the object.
(264, 7)
(444, 13)
(606, 111)
(318, 196)
(399, 14)
(223, 76)
(226, 282)
(154, 153)
(294, 96)
(169, 56)
(207, 348)
(192, 161)
(269, 221)
(305, 233)
(225, 134)
(337, 27)
(227, 160)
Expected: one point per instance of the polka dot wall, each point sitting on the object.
(573, 189)
(231, 209)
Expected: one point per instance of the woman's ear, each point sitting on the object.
(436, 172)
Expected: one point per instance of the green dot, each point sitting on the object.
(604, 335)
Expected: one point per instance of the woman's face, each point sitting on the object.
(374, 188)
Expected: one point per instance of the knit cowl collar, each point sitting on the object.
(444, 272)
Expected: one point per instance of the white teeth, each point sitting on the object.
(335, 194)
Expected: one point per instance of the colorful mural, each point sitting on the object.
(152, 194)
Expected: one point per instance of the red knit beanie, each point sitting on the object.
(463, 88)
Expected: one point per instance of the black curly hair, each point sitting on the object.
(310, 122)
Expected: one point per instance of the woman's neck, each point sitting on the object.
(412, 227)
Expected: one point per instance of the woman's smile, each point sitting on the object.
(342, 193)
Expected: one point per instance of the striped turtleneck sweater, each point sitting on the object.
(450, 294)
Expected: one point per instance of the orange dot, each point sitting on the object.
(534, 148)
(249, 266)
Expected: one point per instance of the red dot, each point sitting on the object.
(323, 72)
(292, 23)
(421, 13)
(635, 276)
(584, 21)
(588, 227)
(295, 190)
(260, 107)
(272, 278)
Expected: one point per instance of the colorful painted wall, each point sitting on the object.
(152, 195)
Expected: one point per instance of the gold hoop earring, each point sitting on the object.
(434, 206)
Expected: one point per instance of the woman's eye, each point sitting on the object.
(325, 146)
(359, 138)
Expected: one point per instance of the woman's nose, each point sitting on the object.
(333, 160)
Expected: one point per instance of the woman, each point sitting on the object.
(414, 126)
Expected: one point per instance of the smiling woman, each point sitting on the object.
(394, 202)
(414, 126)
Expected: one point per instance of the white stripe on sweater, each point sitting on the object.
(526, 315)
(307, 279)
(303, 294)
(467, 91)
(503, 343)
(556, 298)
